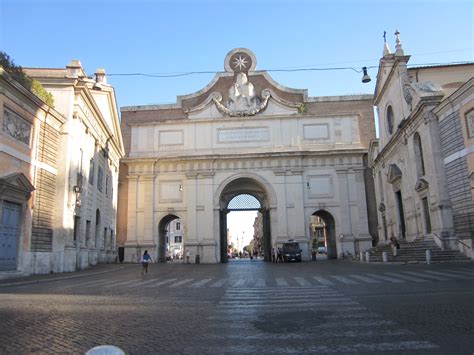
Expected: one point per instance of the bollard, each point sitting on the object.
(394, 250)
(367, 256)
(198, 259)
(105, 350)
(384, 256)
(361, 256)
(428, 256)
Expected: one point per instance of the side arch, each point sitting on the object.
(329, 231)
(163, 223)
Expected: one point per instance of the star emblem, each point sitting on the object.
(240, 62)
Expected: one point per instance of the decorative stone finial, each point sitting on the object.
(398, 46)
(240, 60)
(100, 76)
(74, 68)
(386, 48)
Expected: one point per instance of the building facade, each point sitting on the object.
(422, 163)
(29, 161)
(245, 134)
(88, 150)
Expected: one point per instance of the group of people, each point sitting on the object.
(277, 255)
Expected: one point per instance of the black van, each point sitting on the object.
(291, 251)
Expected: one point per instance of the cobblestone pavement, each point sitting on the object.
(243, 307)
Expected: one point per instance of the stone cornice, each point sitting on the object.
(266, 155)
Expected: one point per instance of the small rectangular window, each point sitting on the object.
(107, 182)
(91, 172)
(77, 223)
(100, 178)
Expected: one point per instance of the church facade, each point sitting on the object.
(423, 162)
(246, 135)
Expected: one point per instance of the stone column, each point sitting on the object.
(147, 182)
(445, 227)
(131, 242)
(345, 226)
(191, 204)
(281, 213)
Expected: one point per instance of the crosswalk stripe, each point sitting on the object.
(281, 282)
(292, 305)
(260, 283)
(90, 283)
(239, 283)
(463, 271)
(365, 279)
(142, 282)
(219, 283)
(323, 281)
(182, 282)
(161, 283)
(363, 347)
(201, 283)
(311, 295)
(405, 277)
(425, 275)
(386, 278)
(454, 276)
(301, 281)
(118, 284)
(344, 280)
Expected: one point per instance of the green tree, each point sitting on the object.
(17, 73)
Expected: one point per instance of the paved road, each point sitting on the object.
(244, 307)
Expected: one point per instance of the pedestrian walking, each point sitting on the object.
(280, 256)
(188, 255)
(146, 259)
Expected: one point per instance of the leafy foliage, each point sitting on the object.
(31, 84)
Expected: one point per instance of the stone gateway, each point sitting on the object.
(302, 158)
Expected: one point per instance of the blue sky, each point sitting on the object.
(180, 36)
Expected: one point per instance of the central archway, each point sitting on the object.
(244, 194)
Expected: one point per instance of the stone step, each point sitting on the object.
(415, 251)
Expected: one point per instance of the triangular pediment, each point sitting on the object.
(394, 173)
(17, 182)
(421, 185)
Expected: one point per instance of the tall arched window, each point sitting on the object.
(420, 164)
(389, 119)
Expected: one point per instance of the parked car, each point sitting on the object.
(291, 251)
(322, 250)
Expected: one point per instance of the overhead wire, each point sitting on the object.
(357, 70)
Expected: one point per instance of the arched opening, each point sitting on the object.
(248, 235)
(323, 234)
(170, 239)
(390, 120)
(97, 229)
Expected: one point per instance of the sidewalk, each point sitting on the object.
(31, 279)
